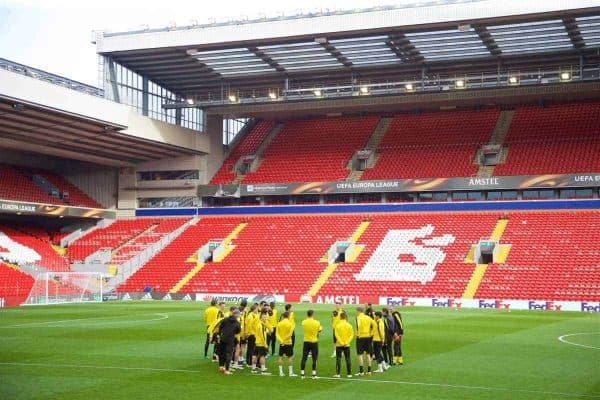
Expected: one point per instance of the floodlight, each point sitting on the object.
(318, 93)
(363, 90)
(233, 98)
(409, 87)
(460, 84)
(565, 76)
(513, 80)
(273, 95)
(190, 101)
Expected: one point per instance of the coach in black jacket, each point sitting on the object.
(229, 327)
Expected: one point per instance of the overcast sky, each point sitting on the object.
(55, 35)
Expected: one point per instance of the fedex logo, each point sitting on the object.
(494, 304)
(402, 302)
(545, 305)
(590, 307)
(448, 303)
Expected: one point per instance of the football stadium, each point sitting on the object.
(241, 207)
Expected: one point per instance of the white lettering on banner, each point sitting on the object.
(17, 207)
(587, 178)
(368, 185)
(484, 182)
(14, 252)
(1, 302)
(338, 299)
(420, 260)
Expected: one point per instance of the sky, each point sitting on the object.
(56, 35)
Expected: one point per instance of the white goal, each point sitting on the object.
(66, 287)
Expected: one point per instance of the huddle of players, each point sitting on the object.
(252, 330)
(378, 337)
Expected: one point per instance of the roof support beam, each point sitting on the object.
(331, 49)
(266, 59)
(403, 48)
(574, 33)
(488, 40)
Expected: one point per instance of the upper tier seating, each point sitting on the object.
(313, 150)
(558, 139)
(248, 146)
(430, 145)
(17, 184)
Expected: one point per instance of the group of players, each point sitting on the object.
(243, 335)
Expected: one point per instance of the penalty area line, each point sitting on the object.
(358, 380)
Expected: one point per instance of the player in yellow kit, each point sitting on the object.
(284, 332)
(273, 317)
(211, 314)
(344, 333)
(378, 341)
(311, 329)
(262, 329)
(365, 326)
(335, 317)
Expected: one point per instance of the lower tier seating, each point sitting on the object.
(552, 256)
(14, 285)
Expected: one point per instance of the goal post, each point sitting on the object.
(66, 287)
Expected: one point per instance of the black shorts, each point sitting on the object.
(286, 350)
(260, 351)
(364, 345)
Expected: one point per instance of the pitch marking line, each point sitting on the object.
(84, 321)
(358, 380)
(562, 339)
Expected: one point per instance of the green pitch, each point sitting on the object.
(154, 350)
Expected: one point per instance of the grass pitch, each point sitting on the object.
(154, 350)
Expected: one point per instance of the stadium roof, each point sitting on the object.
(376, 44)
(45, 113)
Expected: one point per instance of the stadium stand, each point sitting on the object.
(176, 260)
(284, 255)
(435, 144)
(124, 238)
(557, 139)
(17, 183)
(248, 146)
(554, 256)
(37, 247)
(14, 285)
(313, 150)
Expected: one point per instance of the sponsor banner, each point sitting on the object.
(535, 305)
(404, 185)
(18, 207)
(236, 298)
(342, 299)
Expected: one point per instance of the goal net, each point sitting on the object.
(66, 287)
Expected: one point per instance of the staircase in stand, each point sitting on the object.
(372, 143)
(497, 138)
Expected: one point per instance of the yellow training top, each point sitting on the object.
(311, 328)
(284, 331)
(344, 333)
